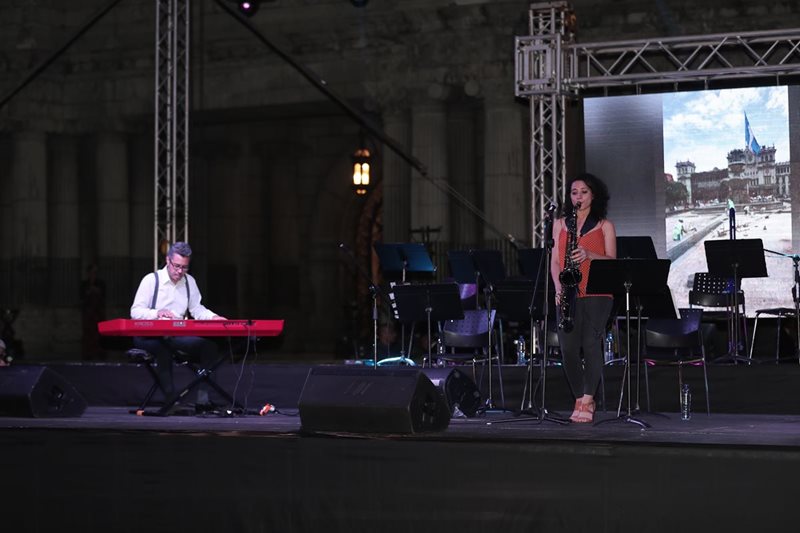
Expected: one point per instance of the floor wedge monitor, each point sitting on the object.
(371, 400)
(460, 392)
(37, 391)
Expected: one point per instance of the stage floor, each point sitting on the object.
(665, 429)
(110, 470)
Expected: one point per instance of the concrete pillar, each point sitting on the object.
(430, 206)
(142, 206)
(462, 154)
(63, 228)
(396, 179)
(29, 195)
(505, 188)
(28, 267)
(29, 223)
(113, 216)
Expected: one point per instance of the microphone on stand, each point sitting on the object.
(548, 225)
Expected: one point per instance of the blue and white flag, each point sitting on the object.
(749, 138)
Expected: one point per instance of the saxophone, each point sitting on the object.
(571, 276)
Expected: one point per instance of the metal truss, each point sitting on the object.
(539, 66)
(171, 124)
(684, 62)
(551, 68)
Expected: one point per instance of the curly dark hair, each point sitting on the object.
(599, 190)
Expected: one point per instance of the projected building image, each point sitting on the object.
(729, 149)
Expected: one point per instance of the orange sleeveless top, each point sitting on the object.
(593, 241)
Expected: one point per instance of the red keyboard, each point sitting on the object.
(125, 327)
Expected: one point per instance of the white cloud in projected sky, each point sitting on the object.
(704, 126)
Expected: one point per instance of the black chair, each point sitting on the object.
(678, 342)
(467, 339)
(780, 313)
(713, 292)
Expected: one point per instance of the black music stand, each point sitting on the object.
(490, 267)
(625, 278)
(429, 302)
(489, 264)
(463, 270)
(736, 259)
(462, 267)
(636, 248)
(398, 260)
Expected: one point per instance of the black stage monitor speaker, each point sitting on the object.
(37, 391)
(459, 390)
(371, 400)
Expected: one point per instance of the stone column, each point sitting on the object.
(63, 231)
(113, 219)
(396, 179)
(28, 266)
(506, 195)
(463, 175)
(142, 206)
(29, 224)
(430, 206)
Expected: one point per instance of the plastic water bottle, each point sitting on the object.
(520, 345)
(686, 402)
(608, 347)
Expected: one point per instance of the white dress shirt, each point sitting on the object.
(171, 296)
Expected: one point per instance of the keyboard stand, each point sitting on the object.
(201, 375)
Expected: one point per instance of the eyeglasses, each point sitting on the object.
(179, 268)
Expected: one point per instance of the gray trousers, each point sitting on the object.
(582, 348)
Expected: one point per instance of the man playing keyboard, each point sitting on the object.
(171, 293)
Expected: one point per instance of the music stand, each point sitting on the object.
(429, 302)
(736, 259)
(490, 267)
(489, 264)
(625, 278)
(636, 248)
(656, 303)
(462, 267)
(399, 261)
(463, 271)
(403, 259)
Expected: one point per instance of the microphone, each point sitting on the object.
(513, 241)
(346, 249)
(549, 211)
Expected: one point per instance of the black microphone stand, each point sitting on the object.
(374, 290)
(542, 414)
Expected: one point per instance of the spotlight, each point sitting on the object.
(248, 8)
